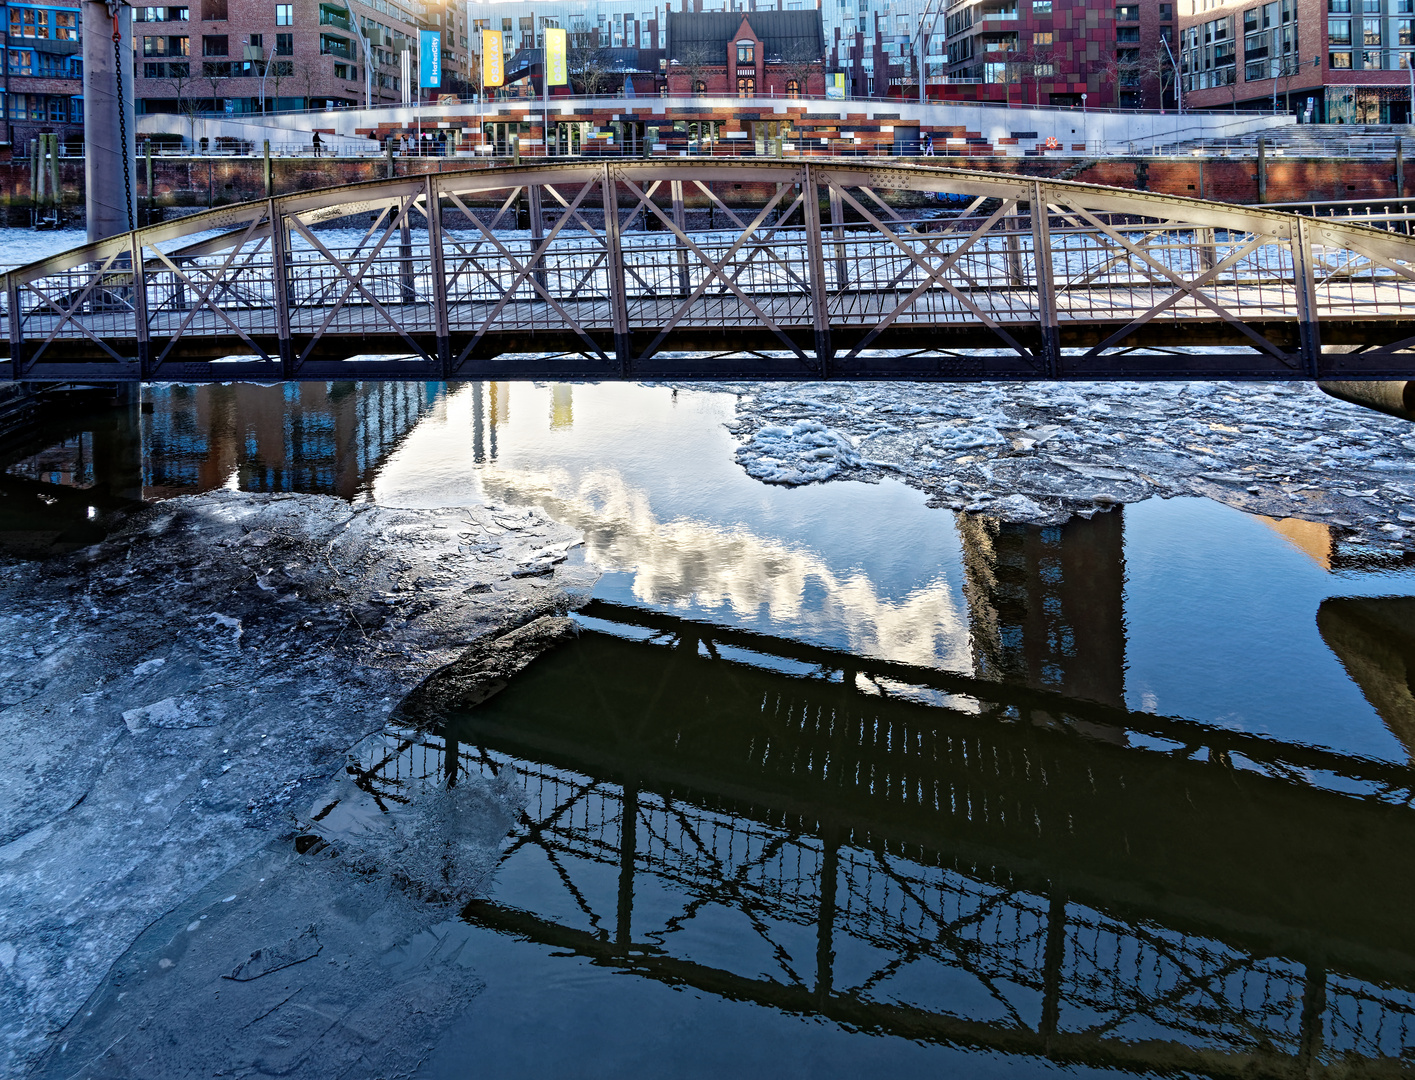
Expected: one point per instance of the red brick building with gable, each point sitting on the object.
(746, 54)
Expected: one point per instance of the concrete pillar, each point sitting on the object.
(1399, 169)
(1394, 397)
(110, 202)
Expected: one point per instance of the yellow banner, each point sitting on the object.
(557, 69)
(493, 64)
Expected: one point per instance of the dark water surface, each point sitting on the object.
(835, 783)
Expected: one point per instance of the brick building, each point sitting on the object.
(751, 54)
(223, 55)
(42, 88)
(1060, 52)
(1326, 61)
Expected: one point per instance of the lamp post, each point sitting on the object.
(253, 55)
(1178, 85)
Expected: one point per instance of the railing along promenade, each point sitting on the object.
(787, 270)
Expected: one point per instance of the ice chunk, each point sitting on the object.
(803, 453)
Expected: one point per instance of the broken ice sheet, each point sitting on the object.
(1073, 448)
(805, 452)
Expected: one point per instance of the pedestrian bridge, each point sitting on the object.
(702, 269)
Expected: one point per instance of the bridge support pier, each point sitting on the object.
(1394, 397)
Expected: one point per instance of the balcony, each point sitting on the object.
(328, 18)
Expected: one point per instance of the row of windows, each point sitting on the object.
(44, 107)
(211, 45)
(1370, 30)
(44, 23)
(44, 65)
(1370, 7)
(1369, 60)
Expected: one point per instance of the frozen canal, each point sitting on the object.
(735, 821)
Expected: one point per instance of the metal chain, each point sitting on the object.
(122, 122)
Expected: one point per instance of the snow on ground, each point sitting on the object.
(1042, 452)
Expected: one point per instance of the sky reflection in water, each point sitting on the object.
(1183, 609)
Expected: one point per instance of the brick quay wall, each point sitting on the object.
(187, 183)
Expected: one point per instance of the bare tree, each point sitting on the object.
(309, 77)
(587, 60)
(184, 92)
(1123, 71)
(799, 61)
(695, 63)
(279, 69)
(1031, 66)
(1155, 68)
(214, 73)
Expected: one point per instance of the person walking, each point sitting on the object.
(318, 144)
(928, 145)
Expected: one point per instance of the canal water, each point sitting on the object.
(833, 781)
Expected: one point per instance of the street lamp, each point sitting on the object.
(1178, 87)
(256, 53)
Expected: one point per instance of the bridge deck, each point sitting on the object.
(1024, 279)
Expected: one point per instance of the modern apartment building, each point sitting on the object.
(230, 55)
(42, 87)
(1078, 53)
(1326, 61)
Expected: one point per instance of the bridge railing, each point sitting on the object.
(822, 265)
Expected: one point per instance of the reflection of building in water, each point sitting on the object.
(491, 408)
(562, 406)
(314, 437)
(1046, 606)
(1374, 638)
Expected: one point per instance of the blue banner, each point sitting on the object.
(430, 56)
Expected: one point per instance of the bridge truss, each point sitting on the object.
(823, 269)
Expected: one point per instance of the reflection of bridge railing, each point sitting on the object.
(836, 269)
(982, 870)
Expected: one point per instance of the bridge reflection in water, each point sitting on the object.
(1016, 863)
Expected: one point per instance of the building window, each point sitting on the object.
(284, 44)
(1403, 35)
(213, 10)
(1041, 37)
(21, 62)
(27, 22)
(284, 14)
(1339, 7)
(746, 52)
(1372, 61)
(746, 86)
(1339, 32)
(1371, 33)
(793, 88)
(1041, 7)
(1129, 13)
(215, 45)
(1339, 61)
(1166, 13)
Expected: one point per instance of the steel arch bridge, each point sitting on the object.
(839, 269)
